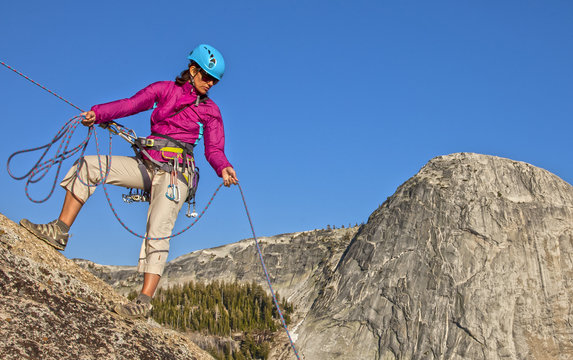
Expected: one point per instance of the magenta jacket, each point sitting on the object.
(174, 117)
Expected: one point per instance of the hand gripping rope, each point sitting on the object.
(64, 135)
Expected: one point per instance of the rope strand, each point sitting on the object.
(40, 169)
(267, 273)
(40, 85)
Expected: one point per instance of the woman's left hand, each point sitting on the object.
(89, 118)
(229, 176)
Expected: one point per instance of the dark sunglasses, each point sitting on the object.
(206, 77)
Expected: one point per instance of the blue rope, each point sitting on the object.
(40, 169)
(267, 273)
(38, 84)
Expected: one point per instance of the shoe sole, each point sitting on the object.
(118, 310)
(28, 226)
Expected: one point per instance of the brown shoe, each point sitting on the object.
(50, 233)
(134, 309)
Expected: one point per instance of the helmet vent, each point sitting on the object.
(209, 59)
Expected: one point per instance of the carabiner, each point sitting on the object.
(175, 196)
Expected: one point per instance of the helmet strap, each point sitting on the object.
(192, 80)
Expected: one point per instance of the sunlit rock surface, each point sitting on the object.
(472, 258)
(50, 308)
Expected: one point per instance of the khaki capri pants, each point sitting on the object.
(161, 214)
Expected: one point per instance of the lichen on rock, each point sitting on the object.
(50, 308)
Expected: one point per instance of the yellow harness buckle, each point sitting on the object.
(171, 150)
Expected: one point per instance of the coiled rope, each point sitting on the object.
(64, 135)
(41, 168)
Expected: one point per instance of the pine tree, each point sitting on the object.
(220, 309)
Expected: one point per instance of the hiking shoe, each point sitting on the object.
(134, 309)
(50, 233)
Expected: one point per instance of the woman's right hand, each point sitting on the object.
(89, 118)
(229, 176)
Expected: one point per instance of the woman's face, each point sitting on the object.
(203, 81)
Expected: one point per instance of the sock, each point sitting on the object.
(62, 225)
(144, 298)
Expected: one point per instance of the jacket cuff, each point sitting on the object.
(219, 170)
(99, 115)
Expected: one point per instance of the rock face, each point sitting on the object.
(472, 258)
(298, 264)
(50, 308)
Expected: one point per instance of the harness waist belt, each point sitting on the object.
(164, 143)
(158, 144)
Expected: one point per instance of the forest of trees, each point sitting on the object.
(223, 309)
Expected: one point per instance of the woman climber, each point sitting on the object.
(165, 166)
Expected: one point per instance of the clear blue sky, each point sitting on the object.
(328, 105)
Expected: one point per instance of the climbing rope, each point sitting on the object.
(266, 272)
(64, 135)
(42, 86)
(41, 168)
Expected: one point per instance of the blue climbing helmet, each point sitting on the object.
(210, 60)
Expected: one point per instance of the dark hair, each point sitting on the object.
(185, 76)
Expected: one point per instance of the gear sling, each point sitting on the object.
(180, 159)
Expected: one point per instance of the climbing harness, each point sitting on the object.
(180, 165)
(64, 135)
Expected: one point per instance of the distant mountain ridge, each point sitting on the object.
(469, 259)
(297, 263)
